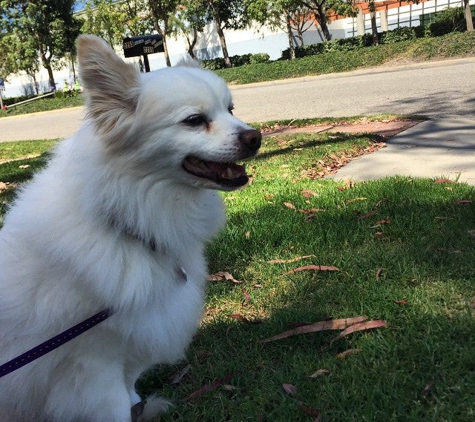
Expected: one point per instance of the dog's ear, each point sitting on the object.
(110, 84)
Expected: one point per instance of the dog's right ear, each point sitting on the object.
(110, 85)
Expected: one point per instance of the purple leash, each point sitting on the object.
(53, 343)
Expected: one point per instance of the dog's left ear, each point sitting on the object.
(110, 84)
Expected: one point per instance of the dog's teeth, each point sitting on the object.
(230, 173)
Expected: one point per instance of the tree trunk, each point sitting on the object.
(468, 15)
(224, 47)
(321, 18)
(165, 47)
(192, 43)
(163, 33)
(47, 65)
(290, 36)
(374, 28)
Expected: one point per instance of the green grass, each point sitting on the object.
(422, 235)
(44, 104)
(447, 46)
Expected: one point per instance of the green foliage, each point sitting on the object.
(450, 45)
(45, 27)
(218, 63)
(114, 20)
(449, 20)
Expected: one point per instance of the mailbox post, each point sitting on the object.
(143, 45)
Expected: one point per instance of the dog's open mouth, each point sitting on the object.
(224, 174)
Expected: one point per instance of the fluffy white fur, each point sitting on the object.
(115, 221)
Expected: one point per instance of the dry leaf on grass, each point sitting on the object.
(332, 324)
(463, 201)
(222, 275)
(378, 273)
(367, 215)
(178, 377)
(307, 193)
(209, 387)
(313, 268)
(320, 373)
(427, 388)
(290, 205)
(346, 353)
(367, 325)
(290, 389)
(443, 181)
(247, 297)
(310, 411)
(288, 261)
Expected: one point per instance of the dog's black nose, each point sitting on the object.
(251, 138)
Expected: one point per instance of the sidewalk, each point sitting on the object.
(439, 148)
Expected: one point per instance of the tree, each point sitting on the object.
(321, 8)
(231, 14)
(287, 15)
(114, 20)
(16, 56)
(163, 14)
(47, 26)
(106, 19)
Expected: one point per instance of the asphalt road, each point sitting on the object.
(435, 89)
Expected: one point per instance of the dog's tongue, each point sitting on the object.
(211, 169)
(226, 170)
(224, 174)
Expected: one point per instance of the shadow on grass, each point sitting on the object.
(420, 367)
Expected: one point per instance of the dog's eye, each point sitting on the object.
(195, 120)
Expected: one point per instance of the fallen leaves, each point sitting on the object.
(320, 373)
(288, 261)
(221, 276)
(331, 163)
(358, 323)
(313, 268)
(367, 325)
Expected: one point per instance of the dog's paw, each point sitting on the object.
(149, 408)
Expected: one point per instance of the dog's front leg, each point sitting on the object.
(96, 393)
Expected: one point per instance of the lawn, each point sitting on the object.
(398, 251)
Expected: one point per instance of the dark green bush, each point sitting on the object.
(259, 58)
(236, 61)
(449, 20)
(404, 33)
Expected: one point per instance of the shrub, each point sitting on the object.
(259, 58)
(237, 61)
(449, 20)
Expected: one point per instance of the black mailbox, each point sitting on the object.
(142, 46)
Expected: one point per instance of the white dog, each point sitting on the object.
(117, 220)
